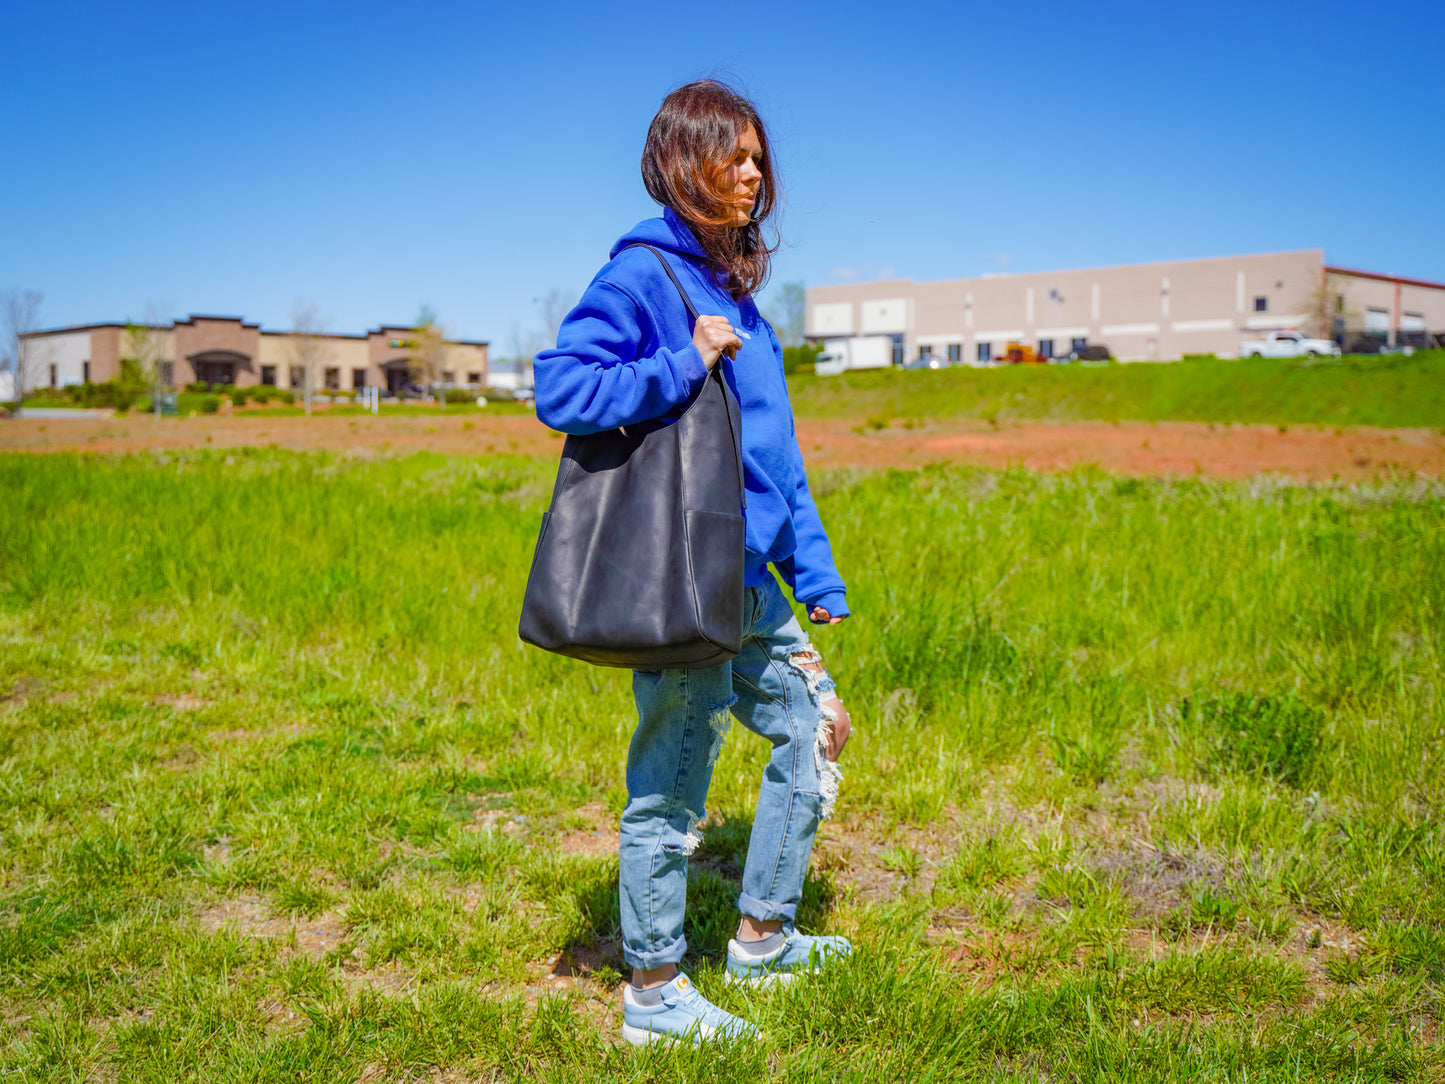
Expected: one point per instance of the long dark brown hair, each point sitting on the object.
(690, 144)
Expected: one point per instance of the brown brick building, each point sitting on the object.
(228, 350)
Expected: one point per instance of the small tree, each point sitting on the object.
(309, 346)
(553, 308)
(429, 353)
(788, 314)
(20, 319)
(145, 347)
(1328, 301)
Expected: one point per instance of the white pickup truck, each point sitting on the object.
(1287, 344)
(859, 352)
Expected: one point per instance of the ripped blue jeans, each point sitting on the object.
(776, 688)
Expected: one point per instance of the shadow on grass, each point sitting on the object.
(714, 882)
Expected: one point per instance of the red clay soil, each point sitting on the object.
(1140, 448)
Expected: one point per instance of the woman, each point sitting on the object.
(627, 354)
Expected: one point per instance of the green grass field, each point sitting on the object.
(1146, 787)
(1392, 390)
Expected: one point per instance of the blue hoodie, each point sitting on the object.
(624, 355)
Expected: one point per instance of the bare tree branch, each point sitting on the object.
(429, 353)
(20, 319)
(145, 343)
(309, 347)
(787, 313)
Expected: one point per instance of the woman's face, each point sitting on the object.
(742, 177)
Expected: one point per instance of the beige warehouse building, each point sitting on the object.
(1141, 312)
(227, 350)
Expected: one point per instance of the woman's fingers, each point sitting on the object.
(714, 336)
(841, 728)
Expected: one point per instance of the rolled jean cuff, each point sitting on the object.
(644, 961)
(766, 911)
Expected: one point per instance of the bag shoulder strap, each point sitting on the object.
(716, 370)
(691, 311)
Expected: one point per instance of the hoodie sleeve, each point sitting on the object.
(594, 379)
(809, 571)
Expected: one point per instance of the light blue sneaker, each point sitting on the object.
(798, 954)
(684, 1016)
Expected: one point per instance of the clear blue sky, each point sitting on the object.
(375, 156)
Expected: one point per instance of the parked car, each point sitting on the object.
(1092, 352)
(927, 361)
(1287, 344)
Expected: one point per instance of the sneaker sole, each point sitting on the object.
(640, 1037)
(763, 981)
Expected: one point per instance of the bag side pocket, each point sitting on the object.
(715, 551)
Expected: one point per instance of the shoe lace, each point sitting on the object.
(697, 1005)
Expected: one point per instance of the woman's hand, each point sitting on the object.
(713, 336)
(840, 727)
(820, 616)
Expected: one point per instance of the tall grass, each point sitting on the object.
(1392, 390)
(1146, 783)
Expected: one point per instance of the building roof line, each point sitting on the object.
(193, 317)
(78, 327)
(1000, 276)
(1352, 272)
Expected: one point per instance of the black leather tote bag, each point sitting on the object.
(640, 558)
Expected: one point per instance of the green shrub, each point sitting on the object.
(208, 404)
(1277, 735)
(795, 358)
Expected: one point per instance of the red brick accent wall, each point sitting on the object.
(201, 335)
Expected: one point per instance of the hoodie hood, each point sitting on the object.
(668, 232)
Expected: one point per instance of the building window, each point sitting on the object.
(448, 376)
(955, 353)
(268, 375)
(985, 351)
(897, 349)
(1046, 348)
(474, 377)
(55, 376)
(298, 376)
(85, 371)
(1075, 345)
(1261, 304)
(358, 379)
(333, 378)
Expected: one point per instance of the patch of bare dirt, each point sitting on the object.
(599, 837)
(251, 916)
(181, 702)
(20, 692)
(1157, 882)
(1137, 448)
(585, 961)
